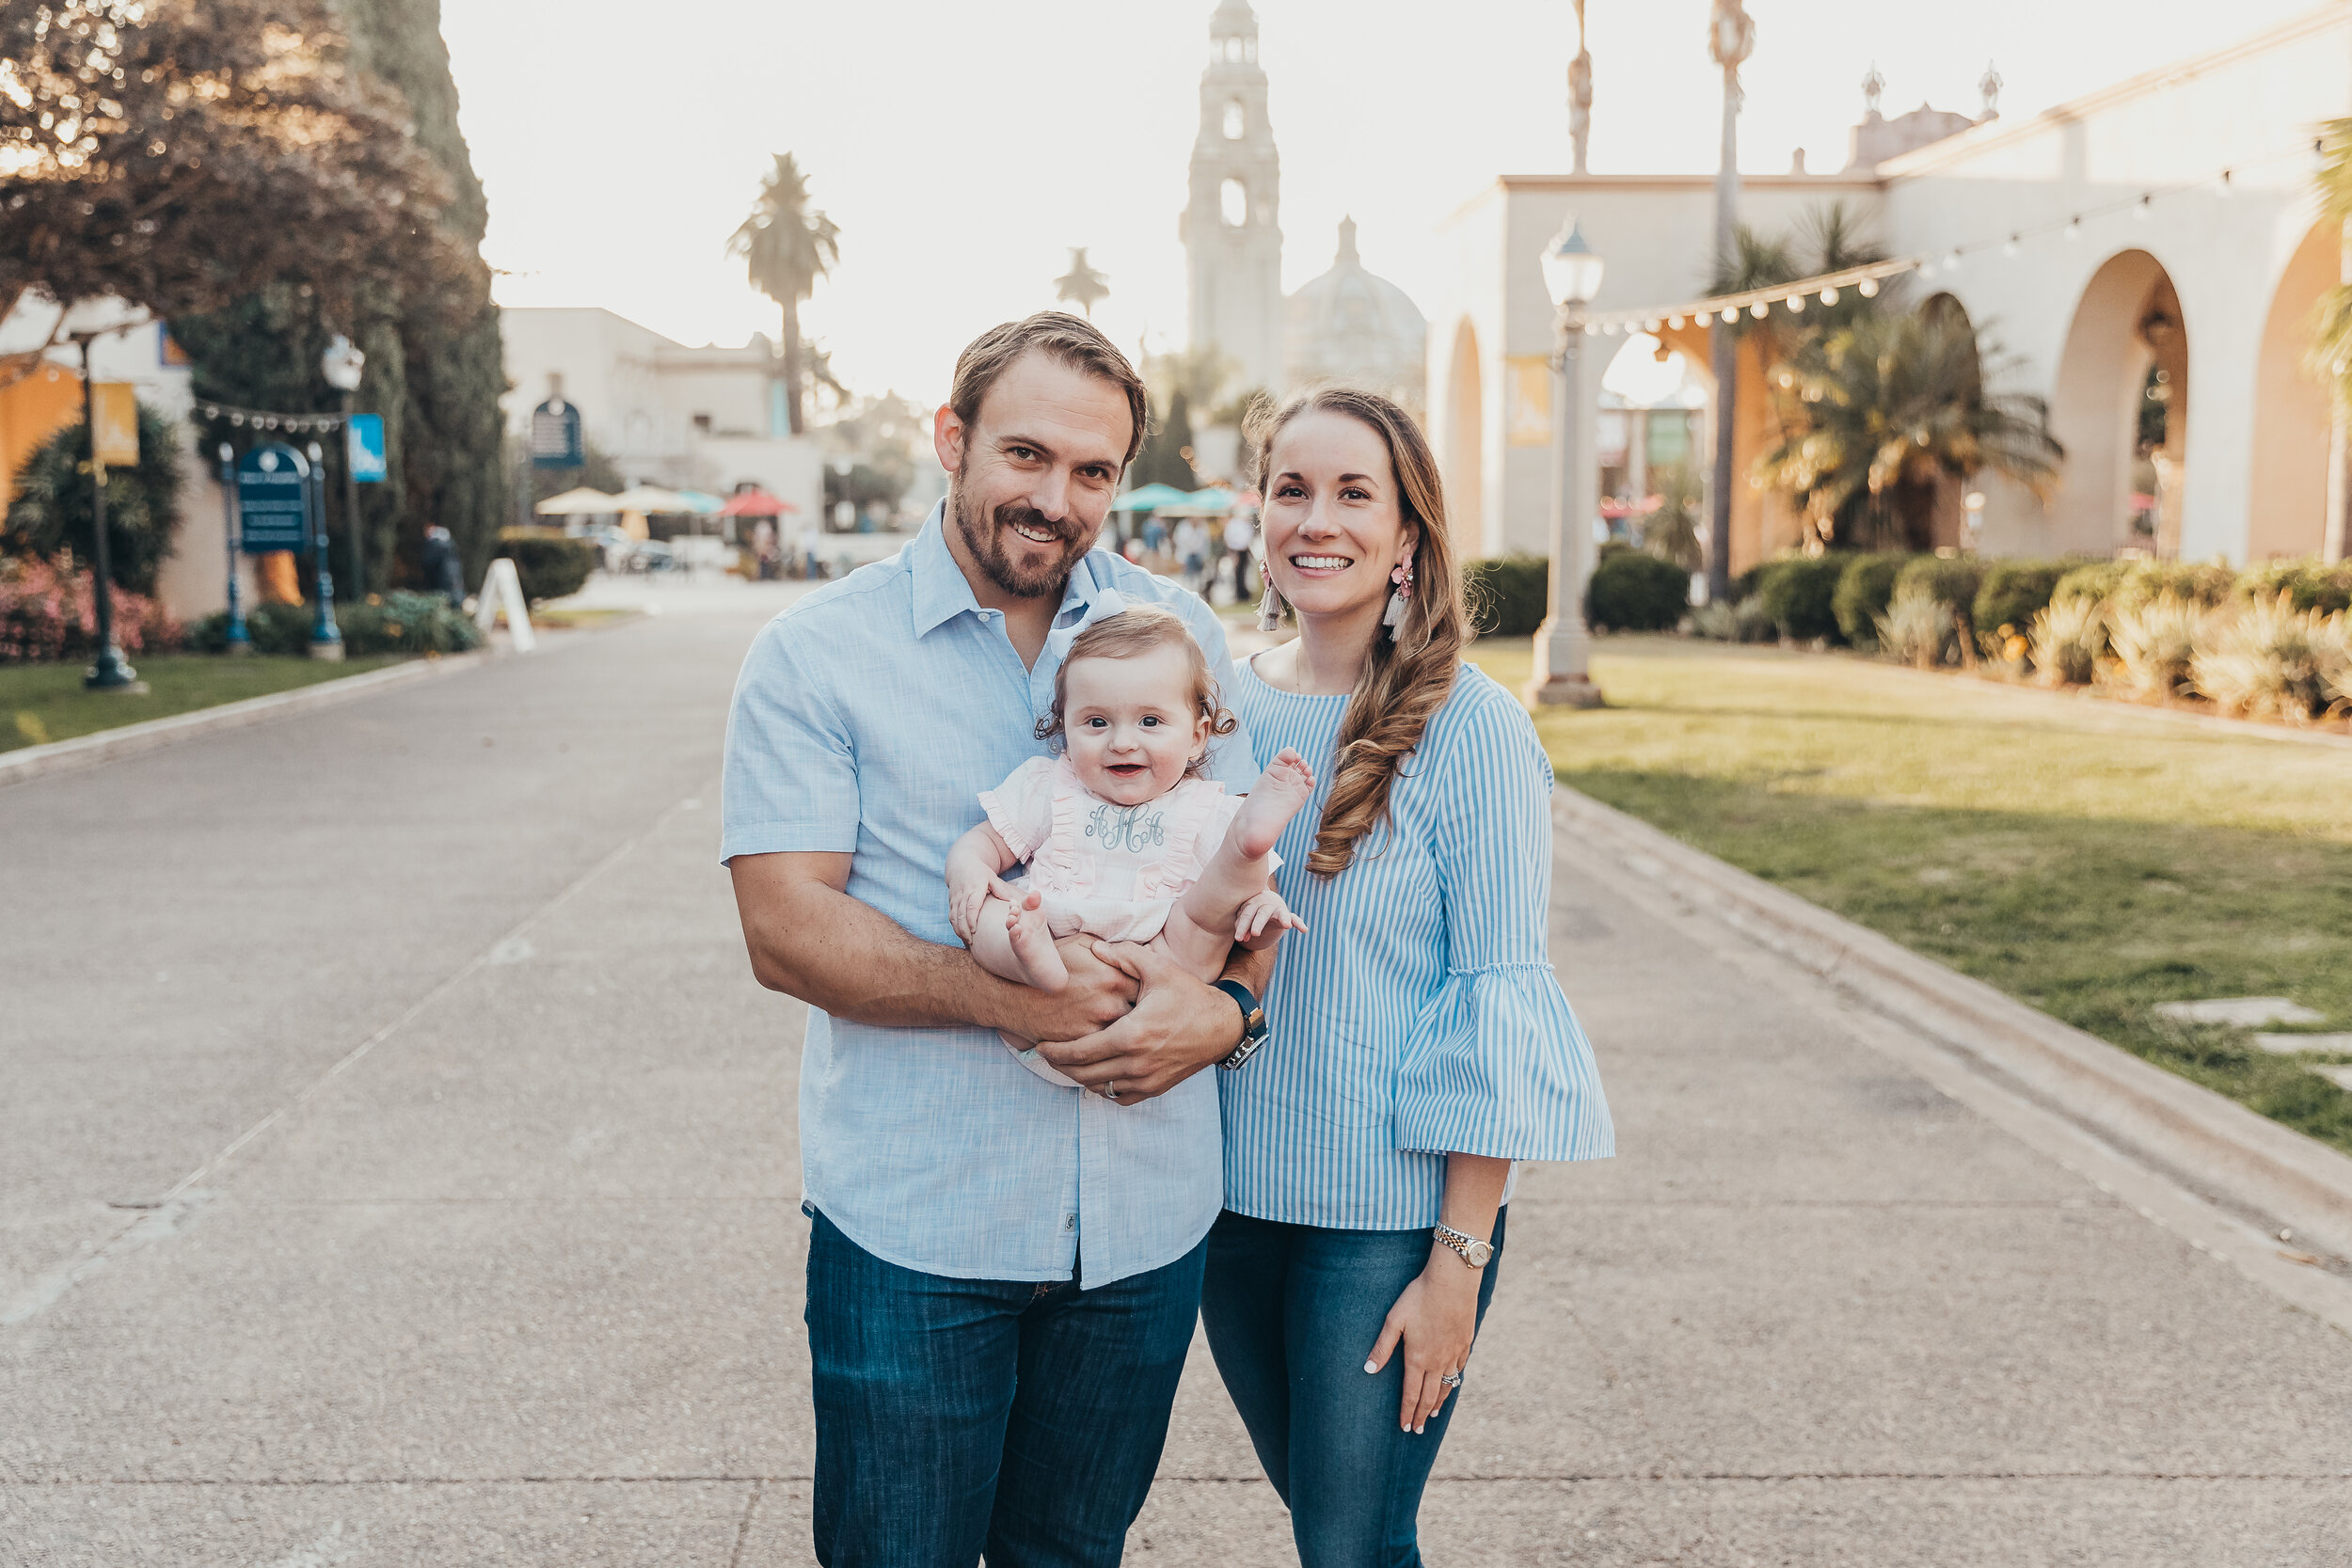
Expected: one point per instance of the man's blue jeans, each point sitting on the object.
(958, 1416)
(1293, 1312)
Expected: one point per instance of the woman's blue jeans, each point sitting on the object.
(1293, 1312)
(961, 1417)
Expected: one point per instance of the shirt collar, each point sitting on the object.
(942, 592)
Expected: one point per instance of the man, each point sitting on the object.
(442, 570)
(1003, 1274)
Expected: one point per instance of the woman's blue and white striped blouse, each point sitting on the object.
(1418, 1014)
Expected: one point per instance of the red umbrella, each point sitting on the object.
(756, 503)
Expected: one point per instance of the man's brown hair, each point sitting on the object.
(1071, 339)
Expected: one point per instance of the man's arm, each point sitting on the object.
(1179, 1025)
(809, 939)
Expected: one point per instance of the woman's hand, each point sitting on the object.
(1436, 1318)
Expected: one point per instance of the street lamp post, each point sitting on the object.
(240, 638)
(110, 673)
(342, 364)
(1572, 274)
(327, 639)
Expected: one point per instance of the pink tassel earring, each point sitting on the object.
(1393, 617)
(1270, 603)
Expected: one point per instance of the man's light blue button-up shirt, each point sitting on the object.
(867, 719)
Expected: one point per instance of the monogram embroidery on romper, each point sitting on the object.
(1127, 827)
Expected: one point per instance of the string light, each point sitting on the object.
(1759, 309)
(1951, 261)
(2147, 200)
(2074, 227)
(1829, 296)
(2010, 248)
(1796, 304)
(1868, 287)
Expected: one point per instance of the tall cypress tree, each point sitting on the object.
(435, 369)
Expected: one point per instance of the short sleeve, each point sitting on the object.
(1021, 808)
(790, 782)
(1497, 1064)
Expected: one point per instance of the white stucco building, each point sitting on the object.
(2158, 240)
(704, 419)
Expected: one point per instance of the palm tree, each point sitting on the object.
(1875, 412)
(786, 247)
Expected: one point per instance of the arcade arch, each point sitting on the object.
(2120, 410)
(1466, 441)
(2286, 510)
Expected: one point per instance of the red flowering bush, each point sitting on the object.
(47, 613)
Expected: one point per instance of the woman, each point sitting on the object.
(1420, 1043)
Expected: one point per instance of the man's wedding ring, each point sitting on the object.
(1452, 1380)
(1110, 1090)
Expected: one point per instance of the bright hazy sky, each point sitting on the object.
(963, 148)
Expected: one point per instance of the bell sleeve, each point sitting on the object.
(1496, 1063)
(1021, 808)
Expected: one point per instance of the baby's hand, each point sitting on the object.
(1262, 920)
(968, 889)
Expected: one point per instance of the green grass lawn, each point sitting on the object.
(2085, 857)
(46, 702)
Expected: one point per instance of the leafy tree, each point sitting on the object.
(2331, 327)
(436, 367)
(787, 247)
(1875, 413)
(52, 510)
(1672, 531)
(1166, 455)
(172, 153)
(598, 471)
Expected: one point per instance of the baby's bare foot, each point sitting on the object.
(1032, 942)
(1274, 800)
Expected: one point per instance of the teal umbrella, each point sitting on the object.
(1150, 498)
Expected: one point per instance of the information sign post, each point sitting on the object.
(240, 638)
(327, 639)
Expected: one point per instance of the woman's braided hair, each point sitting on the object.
(1404, 681)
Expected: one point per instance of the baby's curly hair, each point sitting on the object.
(1139, 629)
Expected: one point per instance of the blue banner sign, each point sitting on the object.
(555, 435)
(274, 511)
(364, 441)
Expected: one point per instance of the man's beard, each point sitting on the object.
(986, 543)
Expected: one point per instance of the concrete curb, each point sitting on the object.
(2241, 1161)
(86, 751)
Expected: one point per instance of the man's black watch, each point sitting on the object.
(1253, 1024)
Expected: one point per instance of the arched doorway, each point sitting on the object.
(1948, 523)
(1465, 455)
(2120, 410)
(2287, 488)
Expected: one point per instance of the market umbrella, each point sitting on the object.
(1150, 497)
(650, 498)
(583, 502)
(701, 502)
(756, 503)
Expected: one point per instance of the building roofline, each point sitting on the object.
(1504, 183)
(1996, 132)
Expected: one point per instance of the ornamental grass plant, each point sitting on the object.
(2270, 659)
(2154, 640)
(1918, 628)
(2066, 638)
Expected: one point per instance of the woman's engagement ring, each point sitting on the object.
(1452, 1380)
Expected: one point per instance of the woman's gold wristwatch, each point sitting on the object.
(1477, 1254)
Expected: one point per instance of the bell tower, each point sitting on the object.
(1230, 229)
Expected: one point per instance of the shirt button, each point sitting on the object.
(1070, 1222)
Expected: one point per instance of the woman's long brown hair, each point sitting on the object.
(1404, 681)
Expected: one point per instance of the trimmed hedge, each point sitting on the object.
(1798, 594)
(394, 623)
(2307, 584)
(1864, 589)
(1509, 595)
(1954, 581)
(2014, 592)
(550, 565)
(1633, 592)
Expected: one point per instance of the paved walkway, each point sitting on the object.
(397, 1167)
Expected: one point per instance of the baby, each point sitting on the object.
(1123, 839)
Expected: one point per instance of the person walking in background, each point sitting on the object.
(1421, 1045)
(444, 574)
(1240, 531)
(1003, 1274)
(1192, 552)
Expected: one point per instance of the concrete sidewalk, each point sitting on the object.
(397, 1167)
